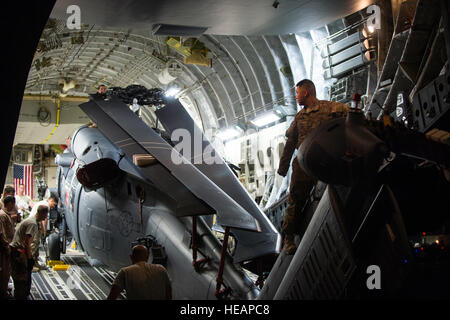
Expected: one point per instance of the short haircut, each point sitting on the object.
(308, 85)
(9, 189)
(140, 253)
(54, 197)
(9, 199)
(42, 209)
(102, 85)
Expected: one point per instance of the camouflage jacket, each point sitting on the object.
(6, 228)
(305, 121)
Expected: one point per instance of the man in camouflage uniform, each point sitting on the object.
(21, 256)
(314, 113)
(6, 236)
(14, 213)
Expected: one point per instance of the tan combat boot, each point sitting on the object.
(289, 244)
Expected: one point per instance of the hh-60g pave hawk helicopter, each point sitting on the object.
(118, 185)
(124, 183)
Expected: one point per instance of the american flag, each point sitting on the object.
(23, 174)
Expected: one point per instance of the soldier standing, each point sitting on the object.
(21, 256)
(6, 236)
(50, 203)
(314, 113)
(24, 202)
(14, 213)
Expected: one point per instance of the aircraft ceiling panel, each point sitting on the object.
(250, 74)
(227, 17)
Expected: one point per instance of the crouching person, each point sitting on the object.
(21, 255)
(142, 281)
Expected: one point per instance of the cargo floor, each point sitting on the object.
(80, 282)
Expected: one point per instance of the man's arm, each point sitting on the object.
(168, 291)
(28, 239)
(117, 286)
(44, 227)
(3, 243)
(285, 160)
(15, 214)
(114, 293)
(2, 229)
(168, 286)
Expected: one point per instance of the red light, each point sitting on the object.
(442, 248)
(421, 248)
(423, 233)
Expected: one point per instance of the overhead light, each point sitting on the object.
(266, 119)
(229, 133)
(371, 29)
(172, 92)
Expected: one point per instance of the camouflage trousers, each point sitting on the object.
(21, 269)
(5, 272)
(299, 190)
